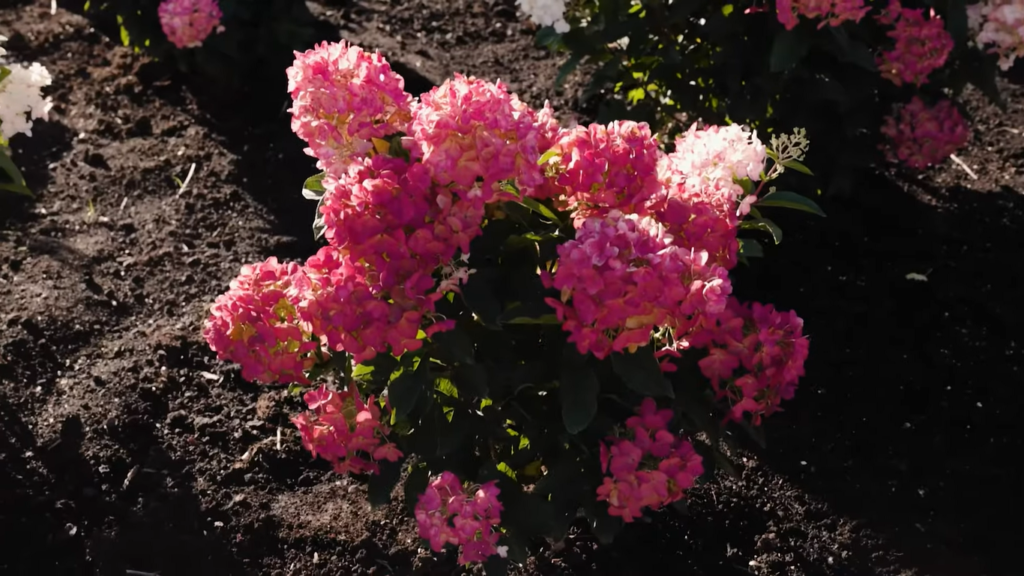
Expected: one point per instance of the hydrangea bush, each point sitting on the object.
(21, 103)
(858, 74)
(522, 323)
(225, 41)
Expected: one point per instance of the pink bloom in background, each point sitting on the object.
(755, 355)
(831, 12)
(256, 324)
(921, 45)
(607, 167)
(342, 98)
(649, 468)
(187, 23)
(340, 428)
(446, 514)
(700, 202)
(920, 136)
(622, 276)
(999, 24)
(469, 129)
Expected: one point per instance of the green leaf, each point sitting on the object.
(17, 184)
(479, 295)
(852, 51)
(415, 484)
(455, 345)
(541, 209)
(4, 73)
(530, 313)
(472, 380)
(765, 225)
(313, 188)
(792, 200)
(545, 157)
(566, 69)
(798, 166)
(603, 525)
(380, 486)
(405, 390)
(751, 248)
(640, 371)
(788, 49)
(548, 38)
(578, 388)
(496, 566)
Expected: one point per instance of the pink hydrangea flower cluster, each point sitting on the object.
(446, 514)
(649, 469)
(342, 98)
(920, 136)
(342, 429)
(756, 355)
(999, 24)
(257, 325)
(468, 130)
(831, 12)
(606, 167)
(921, 45)
(624, 277)
(187, 23)
(700, 201)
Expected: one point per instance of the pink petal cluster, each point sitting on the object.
(342, 97)
(650, 469)
(469, 130)
(832, 12)
(622, 276)
(606, 167)
(446, 514)
(256, 324)
(999, 24)
(340, 428)
(920, 136)
(756, 355)
(700, 201)
(921, 45)
(187, 23)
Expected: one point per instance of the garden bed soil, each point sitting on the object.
(125, 446)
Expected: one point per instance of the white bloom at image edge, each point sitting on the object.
(546, 13)
(21, 98)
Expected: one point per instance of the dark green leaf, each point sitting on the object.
(471, 380)
(765, 225)
(798, 166)
(788, 49)
(578, 388)
(404, 391)
(4, 73)
(415, 485)
(640, 371)
(566, 69)
(548, 38)
(380, 485)
(313, 187)
(751, 248)
(603, 525)
(17, 183)
(16, 188)
(852, 51)
(540, 209)
(496, 566)
(479, 295)
(783, 199)
(455, 346)
(530, 313)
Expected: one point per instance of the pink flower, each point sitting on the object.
(651, 470)
(342, 97)
(256, 324)
(1000, 25)
(469, 129)
(602, 168)
(188, 22)
(921, 45)
(446, 514)
(920, 136)
(622, 276)
(832, 12)
(343, 430)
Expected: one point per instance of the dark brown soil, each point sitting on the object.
(125, 446)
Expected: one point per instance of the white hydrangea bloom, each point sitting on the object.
(21, 99)
(546, 13)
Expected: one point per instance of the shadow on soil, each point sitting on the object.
(909, 413)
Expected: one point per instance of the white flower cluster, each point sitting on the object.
(546, 13)
(21, 100)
